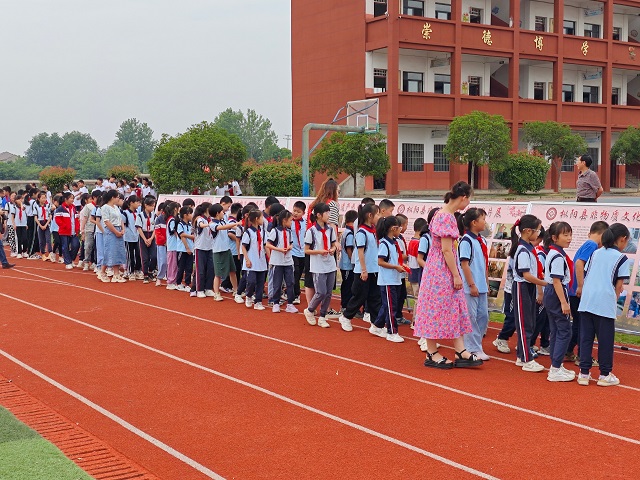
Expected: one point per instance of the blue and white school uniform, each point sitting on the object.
(298, 231)
(203, 244)
(470, 250)
(322, 267)
(599, 306)
(556, 267)
(223, 261)
(389, 281)
(43, 215)
(134, 261)
(96, 214)
(172, 251)
(185, 259)
(524, 297)
(145, 222)
(346, 265)
(281, 265)
(364, 292)
(254, 241)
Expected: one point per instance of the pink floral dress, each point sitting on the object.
(441, 310)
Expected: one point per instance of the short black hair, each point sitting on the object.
(598, 227)
(350, 217)
(188, 202)
(386, 203)
(270, 200)
(226, 199)
(403, 219)
(586, 158)
(301, 205)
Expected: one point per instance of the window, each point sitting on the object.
(443, 11)
(440, 162)
(591, 30)
(379, 8)
(617, 33)
(539, 89)
(569, 27)
(594, 153)
(412, 82)
(541, 24)
(474, 86)
(442, 84)
(379, 80)
(414, 7)
(568, 164)
(590, 94)
(615, 96)
(475, 15)
(567, 93)
(412, 157)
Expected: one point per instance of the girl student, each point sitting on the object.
(523, 291)
(321, 244)
(145, 224)
(605, 273)
(299, 230)
(87, 229)
(129, 215)
(541, 328)
(96, 219)
(171, 213)
(43, 222)
(234, 215)
(365, 269)
(240, 229)
(160, 229)
(391, 269)
(346, 255)
(113, 238)
(19, 223)
(558, 274)
(474, 262)
(184, 250)
(56, 248)
(255, 260)
(280, 246)
(223, 263)
(203, 251)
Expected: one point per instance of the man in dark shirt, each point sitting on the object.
(588, 186)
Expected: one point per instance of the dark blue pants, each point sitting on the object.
(402, 297)
(509, 325)
(44, 239)
(524, 310)
(574, 302)
(298, 270)
(70, 246)
(203, 279)
(255, 284)
(541, 328)
(559, 325)
(280, 273)
(345, 287)
(3, 256)
(386, 314)
(149, 256)
(364, 293)
(604, 328)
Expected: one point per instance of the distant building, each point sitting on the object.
(7, 157)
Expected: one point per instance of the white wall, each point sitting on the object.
(485, 5)
(530, 10)
(535, 73)
(477, 69)
(419, 134)
(574, 77)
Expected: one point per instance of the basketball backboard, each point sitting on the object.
(364, 113)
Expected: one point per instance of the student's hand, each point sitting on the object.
(288, 249)
(248, 263)
(325, 252)
(473, 291)
(364, 276)
(579, 292)
(189, 251)
(539, 298)
(400, 268)
(566, 309)
(457, 282)
(338, 248)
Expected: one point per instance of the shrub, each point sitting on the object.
(277, 178)
(56, 177)
(522, 172)
(126, 172)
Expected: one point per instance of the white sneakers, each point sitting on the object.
(209, 293)
(296, 301)
(201, 295)
(69, 267)
(172, 286)
(501, 345)
(309, 316)
(322, 322)
(379, 332)
(394, 337)
(258, 306)
(560, 374)
(291, 309)
(481, 355)
(238, 299)
(584, 379)
(345, 323)
(532, 366)
(275, 308)
(366, 317)
(608, 381)
(248, 303)
(217, 297)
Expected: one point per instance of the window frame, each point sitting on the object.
(541, 86)
(564, 27)
(476, 84)
(591, 93)
(406, 81)
(436, 81)
(616, 31)
(476, 12)
(377, 8)
(406, 8)
(440, 161)
(447, 13)
(409, 162)
(615, 93)
(535, 24)
(573, 92)
(589, 33)
(378, 77)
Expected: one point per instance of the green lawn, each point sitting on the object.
(25, 455)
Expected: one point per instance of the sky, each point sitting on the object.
(89, 65)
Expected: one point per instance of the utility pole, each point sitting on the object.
(288, 139)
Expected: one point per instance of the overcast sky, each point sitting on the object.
(89, 65)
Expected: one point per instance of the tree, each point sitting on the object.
(120, 154)
(191, 160)
(76, 143)
(19, 169)
(44, 149)
(88, 164)
(279, 178)
(556, 141)
(478, 139)
(627, 148)
(355, 154)
(254, 131)
(140, 135)
(522, 172)
(126, 172)
(56, 177)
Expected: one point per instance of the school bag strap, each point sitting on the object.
(467, 240)
(427, 237)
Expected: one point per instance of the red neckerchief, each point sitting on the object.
(567, 259)
(44, 212)
(399, 250)
(148, 221)
(325, 240)
(284, 236)
(485, 252)
(20, 213)
(134, 215)
(298, 228)
(259, 237)
(369, 229)
(540, 267)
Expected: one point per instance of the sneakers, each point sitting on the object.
(85, 268)
(560, 375)
(379, 332)
(532, 366)
(60, 260)
(118, 279)
(296, 301)
(130, 276)
(158, 283)
(103, 278)
(275, 308)
(501, 345)
(172, 286)
(238, 299)
(109, 271)
(217, 297)
(225, 290)
(201, 295)
(394, 337)
(333, 314)
(291, 309)
(403, 321)
(481, 355)
(69, 267)
(258, 306)
(248, 303)
(209, 293)
(519, 362)
(322, 322)
(192, 294)
(309, 316)
(544, 351)
(571, 357)
(584, 379)
(608, 381)
(367, 317)
(7, 265)
(145, 280)
(422, 341)
(139, 276)
(345, 323)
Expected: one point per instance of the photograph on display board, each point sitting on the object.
(499, 250)
(503, 231)
(494, 288)
(632, 246)
(496, 269)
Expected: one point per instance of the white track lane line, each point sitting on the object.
(173, 452)
(112, 416)
(349, 360)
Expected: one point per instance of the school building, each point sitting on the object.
(429, 61)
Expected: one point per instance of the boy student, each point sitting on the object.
(346, 254)
(580, 259)
(68, 227)
(266, 213)
(31, 204)
(402, 292)
(386, 208)
(234, 235)
(298, 230)
(226, 203)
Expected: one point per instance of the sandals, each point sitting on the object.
(462, 362)
(442, 364)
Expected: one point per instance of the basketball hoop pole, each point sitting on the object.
(305, 146)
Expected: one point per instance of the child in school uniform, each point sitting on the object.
(145, 224)
(160, 229)
(96, 219)
(541, 329)
(255, 260)
(202, 285)
(43, 222)
(606, 272)
(19, 223)
(223, 263)
(412, 253)
(184, 248)
(113, 238)
(234, 216)
(321, 244)
(56, 248)
(171, 212)
(129, 216)
(280, 247)
(68, 228)
(299, 230)
(402, 294)
(558, 273)
(474, 260)
(346, 254)
(242, 284)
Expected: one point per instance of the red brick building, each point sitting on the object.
(430, 61)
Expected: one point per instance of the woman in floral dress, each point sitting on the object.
(441, 309)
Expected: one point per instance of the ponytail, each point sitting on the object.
(365, 210)
(384, 225)
(524, 222)
(612, 234)
(460, 189)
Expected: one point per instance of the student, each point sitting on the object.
(321, 244)
(509, 325)
(525, 279)
(386, 208)
(223, 263)
(96, 219)
(171, 212)
(226, 203)
(266, 214)
(580, 259)
(113, 238)
(275, 210)
(255, 260)
(203, 252)
(56, 247)
(390, 270)
(558, 273)
(365, 269)
(184, 248)
(402, 293)
(541, 249)
(19, 223)
(68, 228)
(346, 255)
(234, 235)
(474, 261)
(603, 282)
(129, 216)
(280, 247)
(160, 229)
(43, 222)
(145, 225)
(242, 284)
(415, 273)
(87, 230)
(31, 208)
(425, 239)
(11, 231)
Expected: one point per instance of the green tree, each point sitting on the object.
(76, 143)
(140, 135)
(126, 172)
(120, 154)
(44, 149)
(19, 169)
(277, 178)
(254, 130)
(478, 139)
(627, 148)
(522, 172)
(354, 154)
(556, 141)
(88, 164)
(192, 159)
(56, 177)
